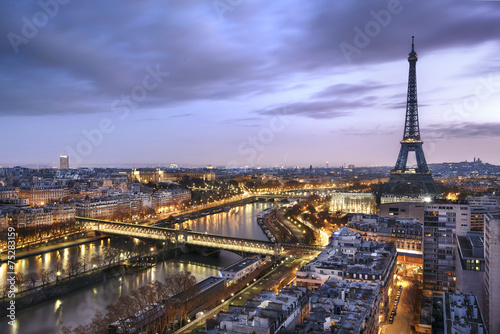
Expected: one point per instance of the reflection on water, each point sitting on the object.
(238, 222)
(79, 307)
(49, 260)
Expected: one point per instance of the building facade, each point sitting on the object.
(64, 162)
(405, 233)
(40, 194)
(7, 193)
(443, 222)
(240, 269)
(63, 212)
(403, 210)
(29, 217)
(480, 206)
(471, 265)
(347, 202)
(492, 271)
(104, 207)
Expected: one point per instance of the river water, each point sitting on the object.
(79, 307)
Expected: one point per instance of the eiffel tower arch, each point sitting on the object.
(404, 180)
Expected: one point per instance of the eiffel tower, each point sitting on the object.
(403, 180)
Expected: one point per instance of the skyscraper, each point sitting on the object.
(64, 162)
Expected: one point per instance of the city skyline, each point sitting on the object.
(246, 84)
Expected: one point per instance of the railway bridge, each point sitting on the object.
(184, 237)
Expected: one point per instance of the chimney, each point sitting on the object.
(342, 295)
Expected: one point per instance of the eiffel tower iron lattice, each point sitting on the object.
(403, 179)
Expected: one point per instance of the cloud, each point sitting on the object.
(91, 53)
(181, 115)
(315, 109)
(345, 89)
(464, 130)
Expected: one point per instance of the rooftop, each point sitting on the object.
(471, 246)
(241, 264)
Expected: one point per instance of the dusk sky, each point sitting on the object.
(256, 83)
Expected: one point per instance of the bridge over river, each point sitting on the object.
(186, 237)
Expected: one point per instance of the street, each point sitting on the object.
(403, 318)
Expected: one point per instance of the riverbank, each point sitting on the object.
(61, 287)
(24, 253)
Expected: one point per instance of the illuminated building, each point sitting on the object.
(40, 194)
(347, 202)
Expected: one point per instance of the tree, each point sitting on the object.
(5, 291)
(96, 260)
(179, 282)
(20, 280)
(44, 275)
(111, 255)
(181, 286)
(32, 277)
(74, 267)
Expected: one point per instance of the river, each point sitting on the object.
(80, 306)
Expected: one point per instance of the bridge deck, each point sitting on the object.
(195, 238)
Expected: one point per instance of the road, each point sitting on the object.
(403, 319)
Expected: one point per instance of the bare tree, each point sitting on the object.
(122, 310)
(181, 287)
(45, 275)
(5, 291)
(98, 325)
(32, 277)
(66, 330)
(179, 282)
(74, 267)
(96, 260)
(111, 255)
(20, 280)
